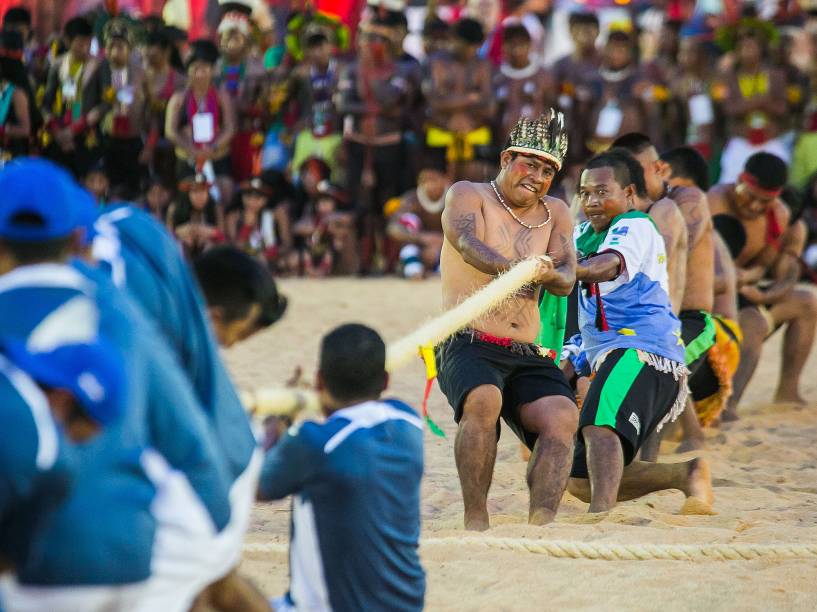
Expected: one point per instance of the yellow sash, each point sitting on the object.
(459, 147)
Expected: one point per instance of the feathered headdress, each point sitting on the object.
(543, 137)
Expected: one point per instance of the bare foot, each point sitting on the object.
(477, 522)
(729, 415)
(789, 398)
(698, 488)
(541, 516)
(690, 444)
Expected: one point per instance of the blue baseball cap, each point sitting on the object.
(36, 203)
(87, 209)
(93, 373)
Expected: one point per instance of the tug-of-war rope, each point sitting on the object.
(608, 551)
(284, 401)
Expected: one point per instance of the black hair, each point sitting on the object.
(183, 210)
(78, 26)
(583, 18)
(233, 281)
(35, 251)
(152, 23)
(515, 31)
(435, 27)
(634, 142)
(687, 163)
(768, 170)
(316, 39)
(395, 19)
(353, 362)
(158, 38)
(732, 232)
(619, 36)
(635, 168)
(470, 31)
(17, 15)
(202, 50)
(621, 169)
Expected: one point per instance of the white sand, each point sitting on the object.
(764, 470)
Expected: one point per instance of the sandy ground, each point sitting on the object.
(764, 469)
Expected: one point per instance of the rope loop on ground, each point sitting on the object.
(607, 551)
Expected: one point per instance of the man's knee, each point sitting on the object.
(482, 406)
(552, 417)
(806, 300)
(595, 436)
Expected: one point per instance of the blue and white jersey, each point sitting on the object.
(143, 258)
(103, 532)
(636, 310)
(355, 481)
(36, 469)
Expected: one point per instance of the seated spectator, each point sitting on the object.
(415, 220)
(157, 198)
(195, 218)
(328, 244)
(355, 479)
(258, 227)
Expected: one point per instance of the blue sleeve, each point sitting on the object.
(288, 466)
(180, 432)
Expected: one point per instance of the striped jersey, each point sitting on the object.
(107, 516)
(142, 258)
(355, 481)
(633, 310)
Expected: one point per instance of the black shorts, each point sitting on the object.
(698, 334)
(465, 363)
(628, 396)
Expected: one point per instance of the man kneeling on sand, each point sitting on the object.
(633, 343)
(355, 481)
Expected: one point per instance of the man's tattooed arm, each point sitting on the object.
(463, 224)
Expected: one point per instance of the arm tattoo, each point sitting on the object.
(473, 250)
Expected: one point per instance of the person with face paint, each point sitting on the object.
(632, 341)
(372, 96)
(768, 273)
(496, 368)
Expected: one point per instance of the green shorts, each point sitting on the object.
(631, 397)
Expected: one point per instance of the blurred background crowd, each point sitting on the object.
(322, 136)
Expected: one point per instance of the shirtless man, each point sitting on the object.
(630, 338)
(768, 271)
(662, 210)
(494, 369)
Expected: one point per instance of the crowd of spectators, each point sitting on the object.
(326, 154)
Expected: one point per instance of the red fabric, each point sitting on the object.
(773, 229)
(751, 181)
(210, 106)
(198, 22)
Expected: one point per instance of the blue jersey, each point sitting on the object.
(35, 464)
(356, 508)
(103, 533)
(632, 310)
(144, 259)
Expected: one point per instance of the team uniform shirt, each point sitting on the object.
(632, 310)
(143, 258)
(107, 518)
(36, 467)
(356, 508)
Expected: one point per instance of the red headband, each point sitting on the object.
(751, 181)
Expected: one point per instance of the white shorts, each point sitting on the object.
(188, 554)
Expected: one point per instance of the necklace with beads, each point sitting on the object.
(517, 219)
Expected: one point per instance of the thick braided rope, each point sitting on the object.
(609, 551)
